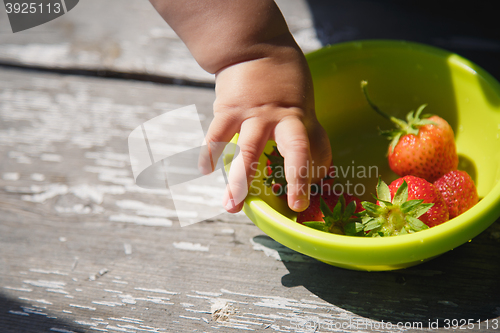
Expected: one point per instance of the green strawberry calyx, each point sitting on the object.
(341, 220)
(414, 120)
(396, 216)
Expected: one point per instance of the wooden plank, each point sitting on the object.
(79, 253)
(136, 40)
(86, 38)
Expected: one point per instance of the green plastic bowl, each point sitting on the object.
(401, 77)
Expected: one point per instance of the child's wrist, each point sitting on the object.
(283, 48)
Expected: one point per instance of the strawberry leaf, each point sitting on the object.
(423, 122)
(390, 134)
(372, 208)
(419, 111)
(422, 209)
(316, 225)
(401, 195)
(409, 117)
(383, 192)
(274, 159)
(387, 204)
(337, 211)
(335, 221)
(324, 207)
(410, 205)
(416, 224)
(349, 211)
(372, 224)
(353, 228)
(342, 202)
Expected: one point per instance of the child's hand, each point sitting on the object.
(270, 98)
(263, 87)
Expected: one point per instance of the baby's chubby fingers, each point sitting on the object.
(251, 143)
(222, 129)
(293, 143)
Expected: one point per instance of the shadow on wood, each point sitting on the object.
(17, 317)
(461, 284)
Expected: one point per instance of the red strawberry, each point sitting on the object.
(422, 146)
(458, 190)
(408, 205)
(279, 160)
(420, 189)
(332, 213)
(314, 213)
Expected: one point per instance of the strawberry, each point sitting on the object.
(314, 213)
(278, 160)
(458, 190)
(275, 172)
(332, 213)
(422, 146)
(407, 205)
(420, 189)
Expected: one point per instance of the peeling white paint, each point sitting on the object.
(155, 290)
(46, 284)
(119, 282)
(112, 304)
(84, 192)
(190, 246)
(208, 293)
(128, 299)
(113, 291)
(144, 209)
(147, 221)
(18, 313)
(79, 209)
(188, 317)
(127, 248)
(12, 176)
(51, 157)
(37, 177)
(85, 323)
(127, 320)
(44, 271)
(51, 191)
(61, 330)
(18, 289)
(82, 307)
(57, 291)
(42, 301)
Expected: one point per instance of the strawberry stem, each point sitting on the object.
(373, 106)
(398, 122)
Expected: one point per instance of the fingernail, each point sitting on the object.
(300, 205)
(230, 205)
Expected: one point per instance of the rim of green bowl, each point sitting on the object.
(430, 242)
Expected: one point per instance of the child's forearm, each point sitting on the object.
(264, 89)
(220, 33)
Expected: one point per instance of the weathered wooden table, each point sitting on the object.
(84, 249)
